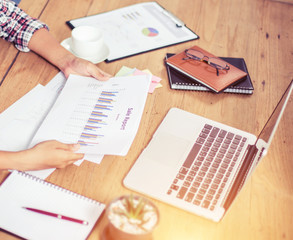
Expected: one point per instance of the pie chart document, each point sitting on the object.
(137, 28)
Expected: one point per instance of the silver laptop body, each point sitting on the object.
(200, 165)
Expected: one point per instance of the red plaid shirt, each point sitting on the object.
(16, 26)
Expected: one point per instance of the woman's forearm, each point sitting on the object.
(45, 45)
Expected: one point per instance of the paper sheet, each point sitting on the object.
(20, 121)
(102, 116)
(137, 28)
(126, 71)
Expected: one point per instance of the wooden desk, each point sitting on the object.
(259, 31)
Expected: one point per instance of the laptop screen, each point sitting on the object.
(271, 125)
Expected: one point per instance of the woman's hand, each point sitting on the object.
(45, 45)
(78, 66)
(48, 154)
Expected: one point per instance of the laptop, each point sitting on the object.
(200, 165)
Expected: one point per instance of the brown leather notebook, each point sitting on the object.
(204, 73)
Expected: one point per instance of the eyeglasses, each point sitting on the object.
(216, 63)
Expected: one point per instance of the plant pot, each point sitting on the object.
(131, 218)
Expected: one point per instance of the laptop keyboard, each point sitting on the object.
(206, 170)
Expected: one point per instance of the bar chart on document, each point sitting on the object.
(103, 117)
(96, 115)
(98, 118)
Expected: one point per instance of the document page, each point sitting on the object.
(137, 28)
(20, 121)
(103, 117)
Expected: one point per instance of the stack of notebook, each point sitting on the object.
(181, 81)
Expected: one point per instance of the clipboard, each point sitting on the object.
(137, 29)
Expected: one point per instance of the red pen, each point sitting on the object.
(56, 215)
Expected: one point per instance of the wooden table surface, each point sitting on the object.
(260, 31)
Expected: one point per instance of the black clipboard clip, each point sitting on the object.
(176, 20)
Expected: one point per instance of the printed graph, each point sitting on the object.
(98, 119)
(103, 116)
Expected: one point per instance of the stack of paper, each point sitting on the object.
(103, 117)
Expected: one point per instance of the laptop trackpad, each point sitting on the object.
(167, 149)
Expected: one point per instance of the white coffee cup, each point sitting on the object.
(87, 41)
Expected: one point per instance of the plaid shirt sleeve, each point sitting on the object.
(16, 26)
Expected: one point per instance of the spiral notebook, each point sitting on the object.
(206, 74)
(21, 191)
(180, 81)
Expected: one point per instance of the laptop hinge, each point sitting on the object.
(242, 175)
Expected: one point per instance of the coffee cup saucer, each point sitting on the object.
(102, 57)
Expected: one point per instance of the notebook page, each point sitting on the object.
(22, 190)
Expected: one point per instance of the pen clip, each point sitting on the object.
(176, 20)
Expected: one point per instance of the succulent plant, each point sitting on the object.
(134, 209)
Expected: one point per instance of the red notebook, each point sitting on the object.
(204, 73)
